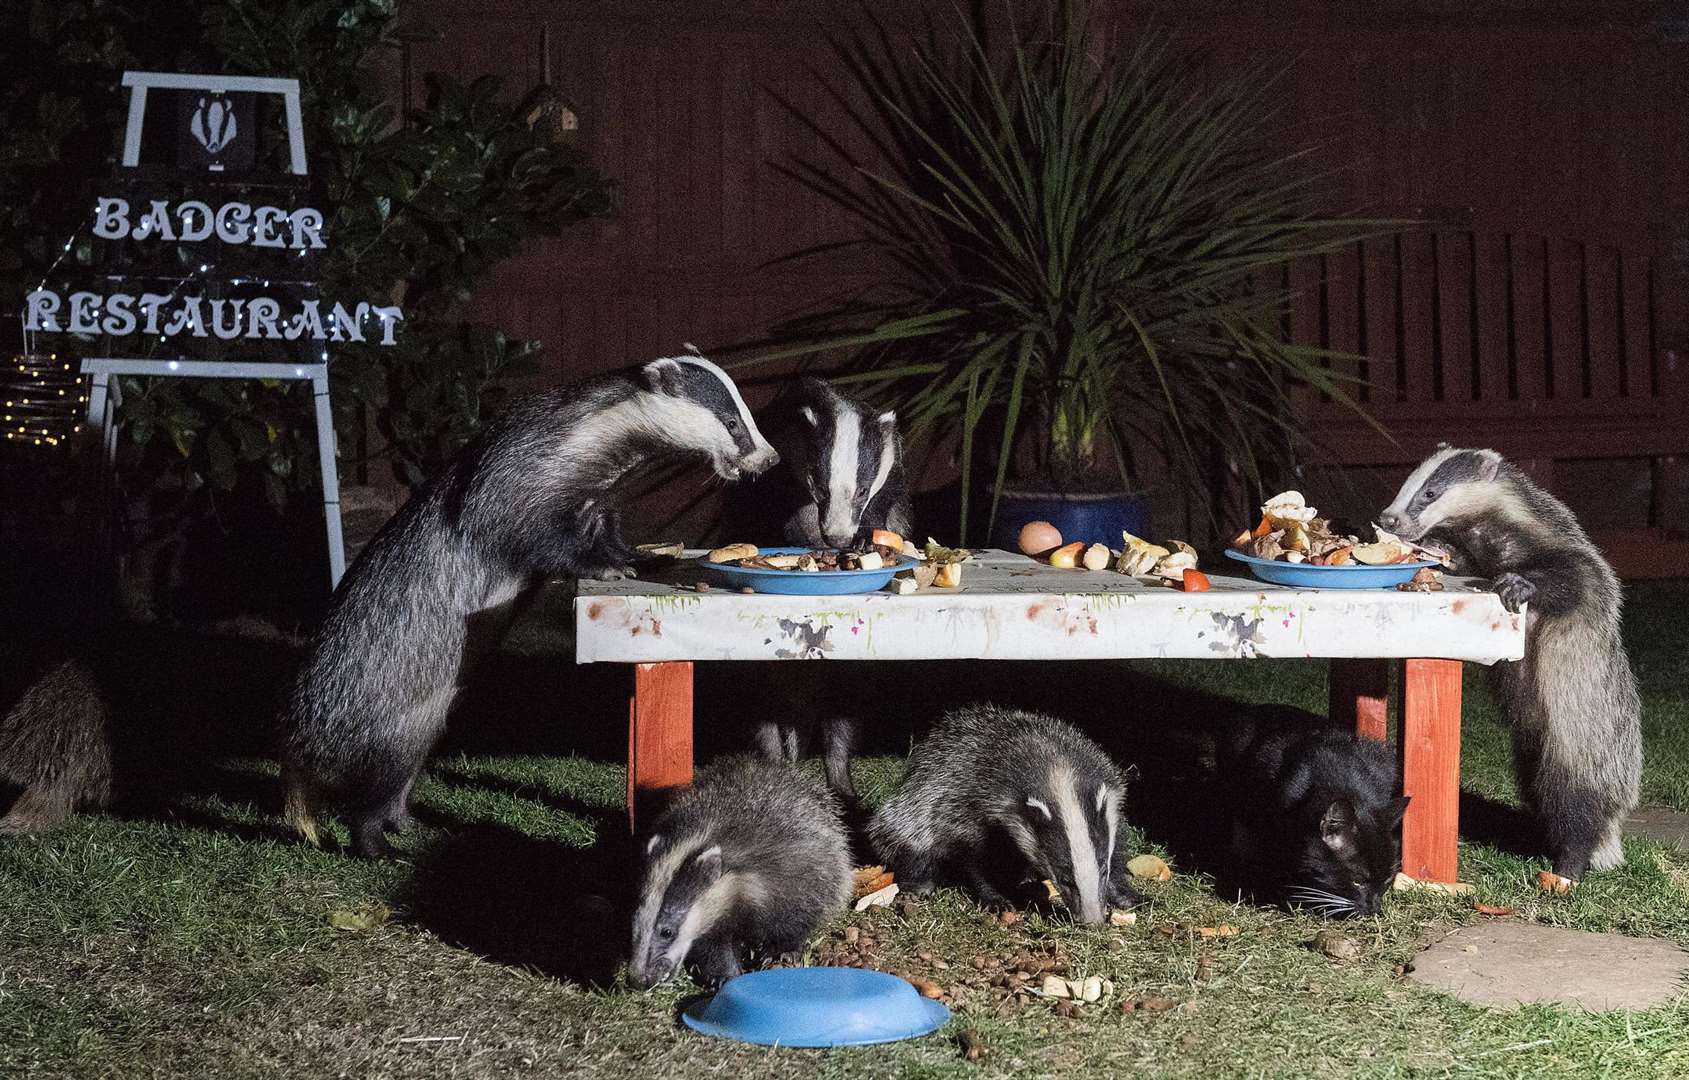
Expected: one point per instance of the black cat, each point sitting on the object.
(1315, 815)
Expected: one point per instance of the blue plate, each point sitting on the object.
(1304, 576)
(807, 582)
(816, 1006)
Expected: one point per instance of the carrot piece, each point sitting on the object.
(1264, 528)
(1196, 580)
(886, 538)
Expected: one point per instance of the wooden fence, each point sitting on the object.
(1542, 308)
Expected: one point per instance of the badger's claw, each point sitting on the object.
(614, 573)
(1514, 591)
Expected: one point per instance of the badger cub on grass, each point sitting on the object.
(1316, 821)
(753, 855)
(1572, 701)
(994, 796)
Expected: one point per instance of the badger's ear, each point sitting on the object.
(1489, 464)
(808, 415)
(888, 420)
(651, 844)
(1444, 446)
(1039, 805)
(663, 376)
(709, 862)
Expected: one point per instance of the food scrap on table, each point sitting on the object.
(1292, 531)
(1039, 538)
(1140, 558)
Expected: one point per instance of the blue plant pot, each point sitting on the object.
(1093, 519)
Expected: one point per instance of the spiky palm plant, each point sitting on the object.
(1091, 249)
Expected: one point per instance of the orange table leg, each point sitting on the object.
(1360, 696)
(659, 736)
(1431, 769)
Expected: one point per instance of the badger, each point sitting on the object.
(989, 784)
(1572, 701)
(132, 713)
(55, 745)
(840, 477)
(754, 854)
(529, 499)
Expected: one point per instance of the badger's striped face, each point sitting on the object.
(851, 454)
(683, 896)
(1070, 830)
(1447, 486)
(695, 405)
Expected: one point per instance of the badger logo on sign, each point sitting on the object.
(213, 123)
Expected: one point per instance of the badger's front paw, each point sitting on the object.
(614, 573)
(1514, 591)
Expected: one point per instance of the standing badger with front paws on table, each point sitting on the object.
(529, 499)
(753, 854)
(840, 478)
(988, 785)
(1572, 701)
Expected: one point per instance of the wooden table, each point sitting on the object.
(1012, 608)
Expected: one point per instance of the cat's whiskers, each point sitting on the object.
(1320, 901)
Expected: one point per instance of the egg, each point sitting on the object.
(1038, 537)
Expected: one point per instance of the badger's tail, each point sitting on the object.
(55, 743)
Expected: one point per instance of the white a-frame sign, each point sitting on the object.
(217, 138)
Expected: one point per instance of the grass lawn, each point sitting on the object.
(197, 940)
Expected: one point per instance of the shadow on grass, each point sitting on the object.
(529, 903)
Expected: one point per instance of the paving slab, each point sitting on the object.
(1659, 823)
(1506, 963)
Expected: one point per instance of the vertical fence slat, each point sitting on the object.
(1418, 347)
(1305, 304)
(1565, 319)
(1671, 329)
(1343, 316)
(1603, 313)
(1454, 309)
(1601, 284)
(1381, 318)
(1491, 272)
(1638, 327)
(1530, 361)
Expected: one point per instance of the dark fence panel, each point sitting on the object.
(1542, 307)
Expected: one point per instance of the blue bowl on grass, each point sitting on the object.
(816, 1006)
(806, 582)
(1352, 576)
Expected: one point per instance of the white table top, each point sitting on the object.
(1012, 608)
